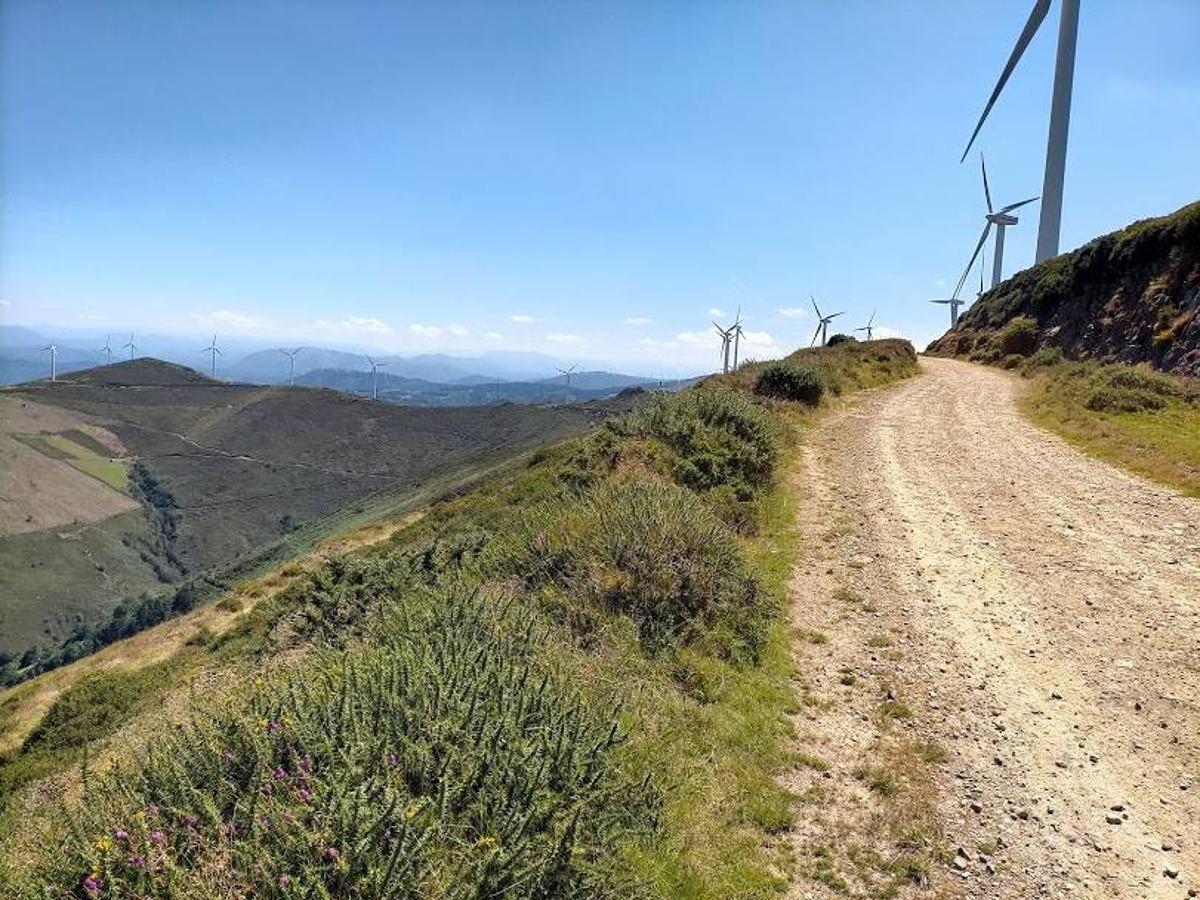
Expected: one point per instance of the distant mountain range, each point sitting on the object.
(431, 379)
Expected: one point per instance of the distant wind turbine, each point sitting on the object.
(568, 372)
(291, 355)
(1060, 115)
(107, 348)
(131, 346)
(868, 327)
(822, 323)
(955, 302)
(737, 337)
(730, 337)
(53, 348)
(375, 367)
(1001, 219)
(212, 350)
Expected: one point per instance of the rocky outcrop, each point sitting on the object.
(1131, 296)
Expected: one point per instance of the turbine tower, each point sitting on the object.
(868, 328)
(1060, 115)
(53, 348)
(375, 367)
(291, 355)
(131, 346)
(107, 348)
(568, 372)
(212, 350)
(822, 323)
(1001, 220)
(726, 335)
(736, 328)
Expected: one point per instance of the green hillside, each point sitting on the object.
(569, 681)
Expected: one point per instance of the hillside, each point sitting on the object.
(213, 472)
(1132, 296)
(572, 680)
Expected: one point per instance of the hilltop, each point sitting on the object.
(188, 476)
(1132, 296)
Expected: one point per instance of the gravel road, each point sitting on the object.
(1041, 619)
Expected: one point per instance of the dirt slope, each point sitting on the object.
(1043, 616)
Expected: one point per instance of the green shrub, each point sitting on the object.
(442, 763)
(651, 551)
(787, 381)
(712, 436)
(1045, 357)
(1018, 337)
(841, 339)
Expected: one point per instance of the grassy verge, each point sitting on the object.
(1143, 420)
(570, 681)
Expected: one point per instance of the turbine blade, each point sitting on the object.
(978, 247)
(939, 301)
(986, 192)
(1036, 17)
(835, 315)
(814, 303)
(1013, 206)
(814, 337)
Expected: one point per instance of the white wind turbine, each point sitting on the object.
(213, 351)
(868, 328)
(1060, 115)
(131, 346)
(375, 367)
(53, 348)
(822, 323)
(1001, 219)
(955, 302)
(291, 355)
(726, 335)
(107, 349)
(568, 372)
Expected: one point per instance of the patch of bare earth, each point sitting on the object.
(998, 642)
(37, 492)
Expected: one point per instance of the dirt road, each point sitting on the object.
(998, 645)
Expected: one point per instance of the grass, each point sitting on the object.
(113, 472)
(1146, 421)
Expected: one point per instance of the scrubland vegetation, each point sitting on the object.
(571, 681)
(1144, 420)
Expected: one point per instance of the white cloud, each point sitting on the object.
(493, 336)
(761, 339)
(716, 311)
(563, 338)
(355, 325)
(457, 330)
(638, 320)
(522, 319)
(425, 331)
(792, 312)
(698, 338)
(5, 304)
(883, 331)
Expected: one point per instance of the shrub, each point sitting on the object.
(1018, 337)
(841, 339)
(651, 551)
(787, 381)
(1045, 357)
(444, 762)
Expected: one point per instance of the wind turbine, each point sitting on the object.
(1060, 115)
(726, 336)
(868, 327)
(568, 372)
(375, 367)
(53, 348)
(822, 323)
(737, 336)
(131, 346)
(213, 351)
(107, 348)
(1001, 220)
(291, 355)
(955, 303)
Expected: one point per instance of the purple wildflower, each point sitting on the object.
(280, 772)
(332, 854)
(304, 795)
(393, 760)
(137, 861)
(273, 727)
(120, 834)
(227, 755)
(92, 886)
(157, 837)
(283, 881)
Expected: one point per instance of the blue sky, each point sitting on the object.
(587, 179)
